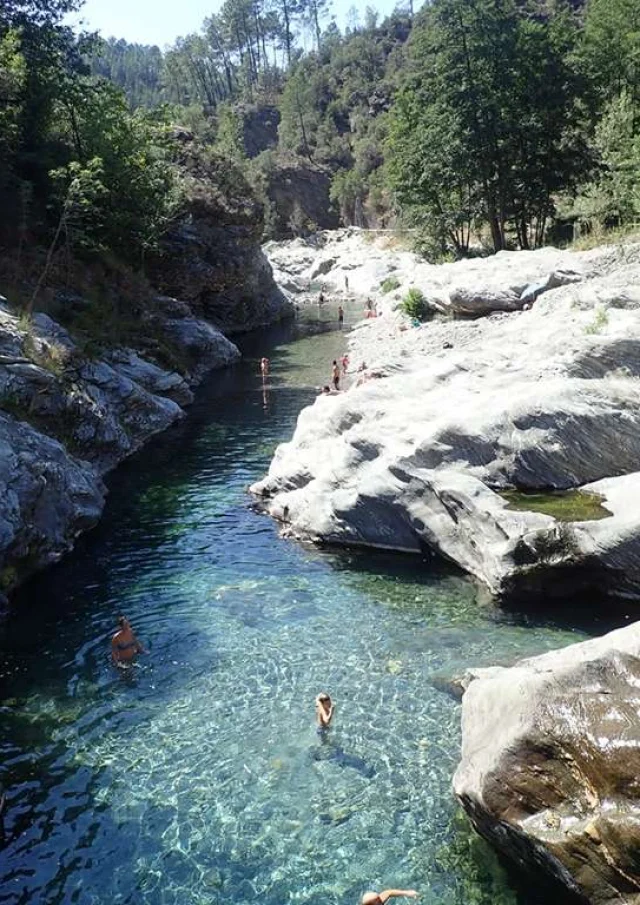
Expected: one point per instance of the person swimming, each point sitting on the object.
(379, 898)
(124, 644)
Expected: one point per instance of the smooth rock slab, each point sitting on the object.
(550, 768)
(443, 416)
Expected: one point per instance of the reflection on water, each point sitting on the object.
(199, 777)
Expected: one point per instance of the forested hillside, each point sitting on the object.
(492, 124)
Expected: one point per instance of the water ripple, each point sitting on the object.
(198, 776)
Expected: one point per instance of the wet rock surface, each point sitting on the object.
(439, 418)
(551, 764)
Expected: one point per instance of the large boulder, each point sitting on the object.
(550, 768)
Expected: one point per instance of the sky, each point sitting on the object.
(162, 21)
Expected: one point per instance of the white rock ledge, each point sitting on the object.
(535, 399)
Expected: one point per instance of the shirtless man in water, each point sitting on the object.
(324, 710)
(124, 644)
(379, 898)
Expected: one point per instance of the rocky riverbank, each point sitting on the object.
(66, 419)
(538, 391)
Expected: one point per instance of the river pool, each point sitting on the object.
(199, 777)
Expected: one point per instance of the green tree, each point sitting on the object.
(128, 159)
(611, 48)
(485, 129)
(612, 198)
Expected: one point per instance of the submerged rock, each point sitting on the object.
(550, 768)
(543, 399)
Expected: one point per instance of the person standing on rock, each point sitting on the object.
(335, 375)
(340, 316)
(344, 361)
(124, 644)
(379, 898)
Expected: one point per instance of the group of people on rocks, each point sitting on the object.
(124, 649)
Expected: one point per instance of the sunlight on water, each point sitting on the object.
(199, 777)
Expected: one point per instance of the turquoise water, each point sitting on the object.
(199, 778)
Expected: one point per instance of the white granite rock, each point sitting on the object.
(448, 413)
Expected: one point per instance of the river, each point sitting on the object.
(199, 778)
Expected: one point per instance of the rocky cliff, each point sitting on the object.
(448, 415)
(550, 765)
(75, 401)
(66, 419)
(211, 257)
(299, 194)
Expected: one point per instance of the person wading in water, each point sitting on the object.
(124, 644)
(335, 375)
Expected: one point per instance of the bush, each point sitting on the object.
(415, 305)
(389, 285)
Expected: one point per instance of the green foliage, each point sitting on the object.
(484, 131)
(600, 321)
(136, 68)
(415, 305)
(612, 196)
(389, 284)
(13, 74)
(610, 49)
(229, 134)
(348, 190)
(121, 191)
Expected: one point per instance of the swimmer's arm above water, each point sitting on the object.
(387, 894)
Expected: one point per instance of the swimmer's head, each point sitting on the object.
(370, 898)
(324, 698)
(123, 622)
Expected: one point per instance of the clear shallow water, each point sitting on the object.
(200, 778)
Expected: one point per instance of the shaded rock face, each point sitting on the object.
(47, 498)
(299, 192)
(212, 258)
(550, 768)
(65, 420)
(259, 128)
(223, 274)
(445, 416)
